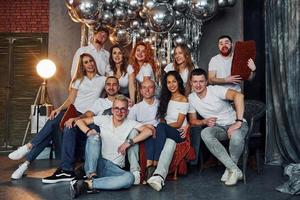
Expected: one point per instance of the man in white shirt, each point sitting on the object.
(74, 139)
(222, 121)
(105, 151)
(96, 49)
(219, 67)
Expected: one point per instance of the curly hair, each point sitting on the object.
(149, 58)
(124, 64)
(166, 95)
(80, 71)
(188, 58)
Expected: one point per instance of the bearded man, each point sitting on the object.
(219, 67)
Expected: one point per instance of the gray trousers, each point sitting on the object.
(211, 137)
(133, 153)
(165, 158)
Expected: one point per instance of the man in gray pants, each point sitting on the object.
(222, 121)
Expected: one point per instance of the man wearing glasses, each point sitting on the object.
(105, 151)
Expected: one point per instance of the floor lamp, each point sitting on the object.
(45, 69)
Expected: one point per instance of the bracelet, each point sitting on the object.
(88, 131)
(239, 120)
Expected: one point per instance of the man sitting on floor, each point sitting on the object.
(105, 151)
(222, 121)
(74, 139)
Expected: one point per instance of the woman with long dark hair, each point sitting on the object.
(85, 87)
(172, 111)
(119, 67)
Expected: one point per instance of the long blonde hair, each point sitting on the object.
(80, 71)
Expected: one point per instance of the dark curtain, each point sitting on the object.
(282, 21)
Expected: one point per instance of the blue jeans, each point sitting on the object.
(154, 146)
(111, 176)
(42, 139)
(73, 146)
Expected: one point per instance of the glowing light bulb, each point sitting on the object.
(46, 68)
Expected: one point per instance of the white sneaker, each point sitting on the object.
(156, 182)
(20, 171)
(137, 177)
(234, 177)
(226, 175)
(19, 153)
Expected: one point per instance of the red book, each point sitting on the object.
(243, 51)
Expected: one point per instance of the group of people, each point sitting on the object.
(107, 128)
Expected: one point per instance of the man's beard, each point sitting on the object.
(225, 51)
(99, 42)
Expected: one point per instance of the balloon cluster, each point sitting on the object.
(163, 23)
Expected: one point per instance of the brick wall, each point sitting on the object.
(24, 16)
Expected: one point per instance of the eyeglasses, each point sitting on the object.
(88, 61)
(122, 110)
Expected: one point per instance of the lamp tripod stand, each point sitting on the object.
(41, 99)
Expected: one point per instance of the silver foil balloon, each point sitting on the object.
(120, 14)
(120, 36)
(148, 4)
(110, 4)
(203, 9)
(87, 9)
(131, 14)
(106, 18)
(135, 25)
(161, 18)
(180, 5)
(142, 31)
(222, 3)
(178, 27)
(162, 1)
(123, 2)
(135, 4)
(231, 3)
(179, 39)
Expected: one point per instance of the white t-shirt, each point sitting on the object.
(101, 57)
(87, 92)
(222, 67)
(184, 75)
(174, 108)
(123, 80)
(100, 105)
(144, 112)
(213, 104)
(146, 70)
(112, 137)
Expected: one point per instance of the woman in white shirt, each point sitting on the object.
(172, 111)
(118, 67)
(142, 61)
(85, 87)
(182, 64)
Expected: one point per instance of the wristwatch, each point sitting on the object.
(130, 142)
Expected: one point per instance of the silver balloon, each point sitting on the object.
(120, 36)
(110, 4)
(87, 9)
(222, 3)
(179, 39)
(162, 1)
(231, 3)
(178, 27)
(142, 31)
(106, 18)
(178, 15)
(135, 4)
(120, 14)
(123, 2)
(134, 24)
(161, 18)
(146, 24)
(180, 5)
(148, 4)
(131, 14)
(203, 9)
